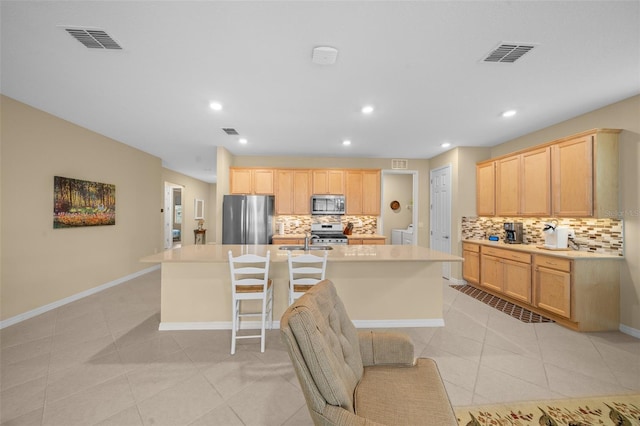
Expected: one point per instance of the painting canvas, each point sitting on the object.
(83, 203)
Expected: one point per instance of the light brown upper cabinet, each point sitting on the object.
(576, 176)
(585, 175)
(523, 184)
(251, 181)
(326, 181)
(293, 191)
(486, 189)
(362, 194)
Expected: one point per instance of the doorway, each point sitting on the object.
(173, 213)
(400, 186)
(440, 214)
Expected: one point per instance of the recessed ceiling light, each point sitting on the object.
(509, 113)
(243, 141)
(216, 106)
(367, 109)
(445, 145)
(346, 142)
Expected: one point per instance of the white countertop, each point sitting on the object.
(534, 249)
(216, 253)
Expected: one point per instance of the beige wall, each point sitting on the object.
(42, 265)
(463, 189)
(623, 115)
(192, 189)
(396, 187)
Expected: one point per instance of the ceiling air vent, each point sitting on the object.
(508, 52)
(397, 164)
(93, 38)
(230, 131)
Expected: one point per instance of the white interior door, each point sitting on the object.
(440, 222)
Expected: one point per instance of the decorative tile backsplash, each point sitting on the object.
(597, 235)
(302, 224)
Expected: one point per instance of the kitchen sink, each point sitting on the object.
(315, 247)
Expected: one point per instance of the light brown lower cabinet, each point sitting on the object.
(582, 293)
(367, 241)
(287, 240)
(471, 264)
(552, 284)
(507, 272)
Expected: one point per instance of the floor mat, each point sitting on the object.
(606, 410)
(502, 305)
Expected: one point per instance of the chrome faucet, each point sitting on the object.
(308, 238)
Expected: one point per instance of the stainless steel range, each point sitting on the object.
(328, 233)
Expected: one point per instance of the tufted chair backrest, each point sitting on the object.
(328, 344)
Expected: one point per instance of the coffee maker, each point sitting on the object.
(513, 232)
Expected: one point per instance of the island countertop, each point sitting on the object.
(217, 253)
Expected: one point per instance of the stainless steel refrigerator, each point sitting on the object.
(248, 219)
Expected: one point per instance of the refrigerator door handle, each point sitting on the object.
(243, 220)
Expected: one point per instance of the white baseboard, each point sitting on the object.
(46, 308)
(630, 331)
(226, 325)
(211, 325)
(456, 281)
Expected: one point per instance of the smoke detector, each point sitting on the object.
(324, 55)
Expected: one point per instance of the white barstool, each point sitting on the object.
(305, 271)
(250, 281)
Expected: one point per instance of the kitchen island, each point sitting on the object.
(382, 286)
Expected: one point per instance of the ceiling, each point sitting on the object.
(419, 63)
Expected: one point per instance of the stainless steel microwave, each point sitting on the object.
(327, 204)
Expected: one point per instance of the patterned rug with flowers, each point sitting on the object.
(621, 410)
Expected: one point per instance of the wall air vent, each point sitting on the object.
(398, 164)
(93, 38)
(230, 131)
(509, 52)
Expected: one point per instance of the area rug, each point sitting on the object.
(502, 305)
(621, 410)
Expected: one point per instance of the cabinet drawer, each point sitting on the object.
(553, 263)
(507, 254)
(471, 247)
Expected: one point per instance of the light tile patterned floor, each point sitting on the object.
(102, 361)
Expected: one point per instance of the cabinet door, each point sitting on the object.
(353, 193)
(572, 177)
(373, 241)
(508, 186)
(328, 182)
(240, 181)
(492, 272)
(517, 280)
(287, 241)
(284, 192)
(263, 181)
(335, 182)
(485, 189)
(553, 291)
(471, 266)
(371, 192)
(301, 192)
(536, 182)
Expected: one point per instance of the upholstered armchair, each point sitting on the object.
(359, 378)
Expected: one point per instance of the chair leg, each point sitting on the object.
(262, 328)
(234, 320)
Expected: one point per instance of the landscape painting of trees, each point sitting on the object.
(83, 203)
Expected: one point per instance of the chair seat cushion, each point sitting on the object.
(251, 288)
(395, 395)
(301, 288)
